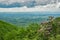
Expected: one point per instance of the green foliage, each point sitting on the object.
(57, 22)
(5, 28)
(46, 31)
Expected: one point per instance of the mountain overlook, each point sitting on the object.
(41, 31)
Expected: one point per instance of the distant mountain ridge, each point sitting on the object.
(24, 18)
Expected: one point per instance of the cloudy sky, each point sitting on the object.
(21, 3)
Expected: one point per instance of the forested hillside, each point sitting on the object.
(5, 28)
(49, 30)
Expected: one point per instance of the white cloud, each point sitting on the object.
(25, 9)
(12, 1)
